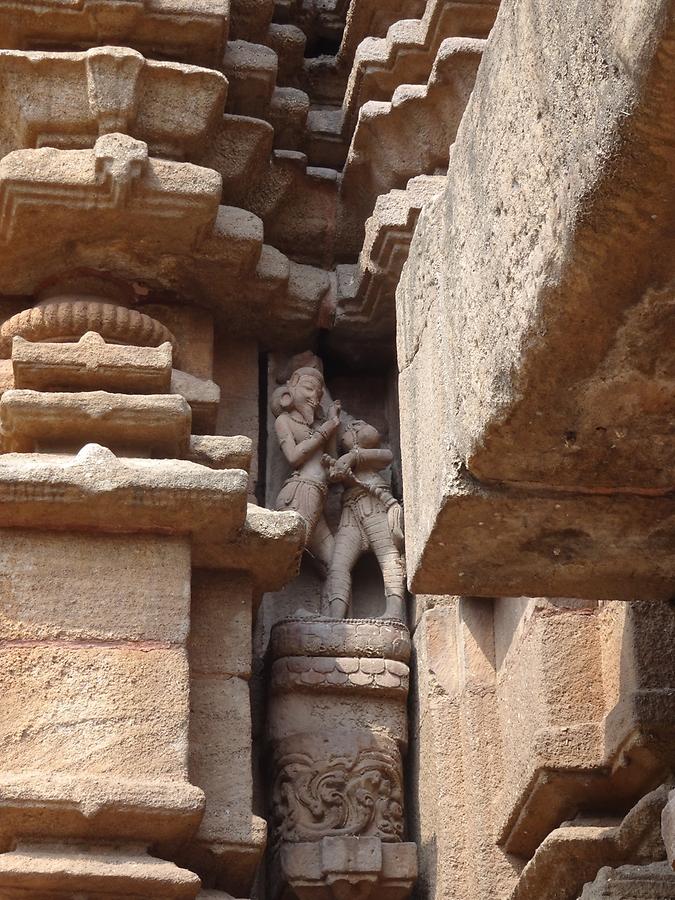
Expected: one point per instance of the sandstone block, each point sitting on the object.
(57, 807)
(97, 491)
(221, 624)
(546, 392)
(43, 871)
(91, 364)
(69, 99)
(92, 709)
(229, 843)
(94, 588)
(149, 423)
(195, 31)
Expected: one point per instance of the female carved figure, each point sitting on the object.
(304, 437)
(371, 519)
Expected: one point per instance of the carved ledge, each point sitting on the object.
(46, 870)
(406, 55)
(90, 364)
(194, 31)
(88, 807)
(344, 867)
(152, 424)
(365, 316)
(96, 490)
(67, 100)
(168, 230)
(411, 135)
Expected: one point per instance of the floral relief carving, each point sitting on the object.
(338, 793)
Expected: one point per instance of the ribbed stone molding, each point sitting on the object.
(70, 318)
(337, 732)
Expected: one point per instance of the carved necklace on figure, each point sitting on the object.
(297, 418)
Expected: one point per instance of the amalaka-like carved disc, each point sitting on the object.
(67, 320)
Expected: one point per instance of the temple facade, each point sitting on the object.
(337, 450)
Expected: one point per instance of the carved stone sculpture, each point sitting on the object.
(371, 519)
(304, 438)
(337, 728)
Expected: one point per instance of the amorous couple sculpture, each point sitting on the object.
(371, 516)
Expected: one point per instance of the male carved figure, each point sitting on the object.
(371, 519)
(304, 438)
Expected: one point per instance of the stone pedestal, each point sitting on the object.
(338, 730)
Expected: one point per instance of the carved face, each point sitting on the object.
(307, 393)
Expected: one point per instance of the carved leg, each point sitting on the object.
(321, 544)
(349, 545)
(376, 526)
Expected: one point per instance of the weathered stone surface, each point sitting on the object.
(230, 840)
(655, 882)
(407, 54)
(113, 588)
(588, 714)
(149, 423)
(42, 871)
(220, 452)
(97, 807)
(91, 364)
(366, 307)
(547, 393)
(95, 490)
(195, 31)
(67, 100)
(411, 135)
(635, 840)
(168, 228)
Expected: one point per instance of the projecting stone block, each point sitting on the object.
(653, 882)
(156, 424)
(97, 491)
(57, 807)
(411, 135)
(194, 31)
(406, 55)
(53, 870)
(67, 100)
(91, 364)
(168, 229)
(533, 329)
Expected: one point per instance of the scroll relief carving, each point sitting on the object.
(318, 794)
(371, 518)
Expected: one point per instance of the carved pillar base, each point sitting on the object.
(337, 728)
(349, 868)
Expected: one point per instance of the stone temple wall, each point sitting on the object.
(337, 509)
